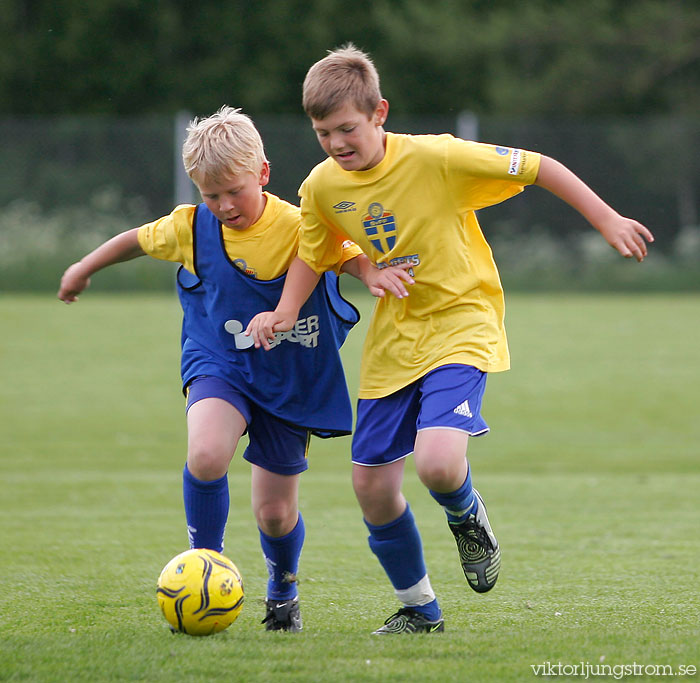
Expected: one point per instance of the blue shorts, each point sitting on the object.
(448, 397)
(274, 445)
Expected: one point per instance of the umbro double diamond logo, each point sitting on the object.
(344, 207)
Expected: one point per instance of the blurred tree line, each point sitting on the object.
(90, 93)
(540, 58)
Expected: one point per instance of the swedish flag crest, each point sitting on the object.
(380, 227)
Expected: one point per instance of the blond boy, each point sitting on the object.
(234, 250)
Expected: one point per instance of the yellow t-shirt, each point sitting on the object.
(264, 251)
(417, 206)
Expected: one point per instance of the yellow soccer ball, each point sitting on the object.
(200, 592)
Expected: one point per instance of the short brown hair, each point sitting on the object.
(222, 145)
(345, 74)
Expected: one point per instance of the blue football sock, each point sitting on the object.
(282, 559)
(206, 510)
(399, 550)
(459, 504)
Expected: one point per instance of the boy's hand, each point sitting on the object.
(264, 325)
(73, 282)
(624, 234)
(122, 247)
(389, 279)
(628, 236)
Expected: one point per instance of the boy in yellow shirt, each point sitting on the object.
(234, 250)
(410, 201)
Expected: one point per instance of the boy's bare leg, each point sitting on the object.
(214, 427)
(441, 463)
(441, 458)
(395, 540)
(275, 501)
(378, 491)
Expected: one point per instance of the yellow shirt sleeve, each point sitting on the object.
(482, 175)
(170, 238)
(322, 247)
(266, 249)
(350, 250)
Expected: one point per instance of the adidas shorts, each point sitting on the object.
(273, 444)
(448, 397)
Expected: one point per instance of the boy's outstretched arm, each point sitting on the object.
(628, 236)
(300, 282)
(122, 247)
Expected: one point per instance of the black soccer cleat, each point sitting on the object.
(478, 548)
(283, 615)
(408, 620)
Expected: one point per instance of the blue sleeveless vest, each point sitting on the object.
(300, 380)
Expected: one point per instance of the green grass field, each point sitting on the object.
(591, 473)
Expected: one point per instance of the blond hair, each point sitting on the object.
(346, 74)
(222, 145)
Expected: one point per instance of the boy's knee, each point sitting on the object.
(276, 518)
(367, 486)
(442, 475)
(207, 462)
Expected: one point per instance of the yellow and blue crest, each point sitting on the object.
(380, 227)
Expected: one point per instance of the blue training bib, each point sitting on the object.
(300, 380)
